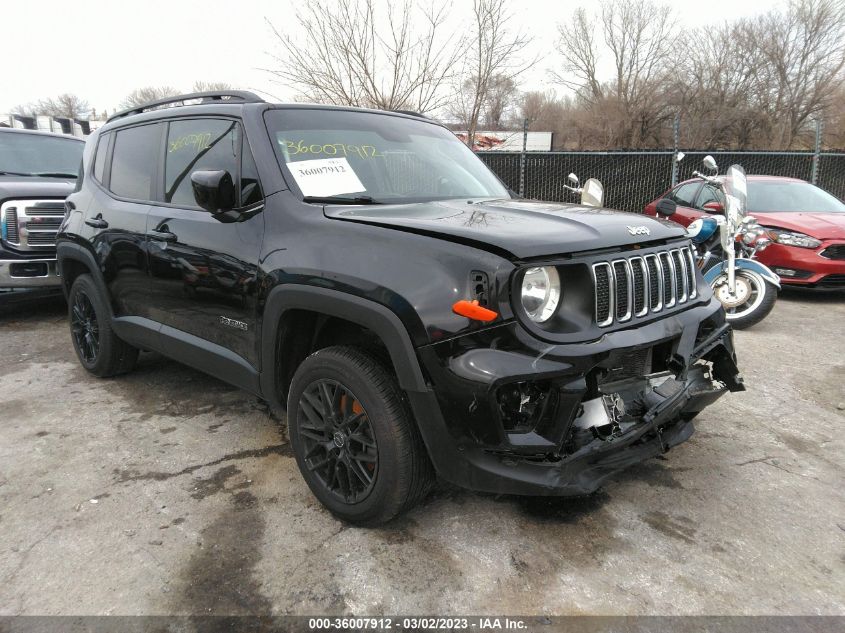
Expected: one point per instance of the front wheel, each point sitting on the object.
(753, 300)
(354, 438)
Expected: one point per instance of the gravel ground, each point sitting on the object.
(169, 492)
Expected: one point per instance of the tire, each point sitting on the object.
(763, 305)
(97, 346)
(365, 461)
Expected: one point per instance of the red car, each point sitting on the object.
(806, 225)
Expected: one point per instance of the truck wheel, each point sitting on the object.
(97, 346)
(354, 439)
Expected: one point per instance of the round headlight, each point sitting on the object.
(540, 293)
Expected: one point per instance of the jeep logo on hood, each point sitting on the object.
(639, 230)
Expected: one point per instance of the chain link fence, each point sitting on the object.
(633, 179)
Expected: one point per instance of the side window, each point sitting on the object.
(100, 158)
(193, 145)
(685, 194)
(708, 193)
(134, 161)
(250, 187)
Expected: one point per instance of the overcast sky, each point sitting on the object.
(104, 50)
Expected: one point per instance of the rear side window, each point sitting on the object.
(100, 158)
(685, 194)
(194, 145)
(134, 162)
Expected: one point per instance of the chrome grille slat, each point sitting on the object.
(691, 273)
(635, 286)
(640, 285)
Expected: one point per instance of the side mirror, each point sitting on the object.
(714, 207)
(666, 207)
(710, 163)
(214, 191)
(573, 179)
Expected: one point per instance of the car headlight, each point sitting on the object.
(540, 293)
(791, 238)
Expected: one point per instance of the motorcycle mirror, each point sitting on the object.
(710, 163)
(679, 157)
(666, 207)
(573, 179)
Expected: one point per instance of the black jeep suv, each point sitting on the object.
(37, 171)
(366, 272)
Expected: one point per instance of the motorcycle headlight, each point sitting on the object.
(791, 238)
(540, 293)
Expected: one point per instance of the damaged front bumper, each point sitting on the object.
(512, 414)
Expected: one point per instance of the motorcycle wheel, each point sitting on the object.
(754, 298)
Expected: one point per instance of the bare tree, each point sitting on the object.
(545, 112)
(501, 96)
(629, 107)
(347, 57)
(494, 56)
(210, 86)
(144, 95)
(803, 50)
(65, 105)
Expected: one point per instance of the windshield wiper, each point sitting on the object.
(55, 174)
(44, 174)
(341, 200)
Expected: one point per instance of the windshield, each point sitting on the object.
(788, 196)
(376, 157)
(33, 154)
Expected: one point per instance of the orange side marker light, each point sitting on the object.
(471, 310)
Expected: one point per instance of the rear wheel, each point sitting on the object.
(98, 348)
(751, 303)
(354, 438)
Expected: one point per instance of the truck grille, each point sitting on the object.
(636, 286)
(31, 225)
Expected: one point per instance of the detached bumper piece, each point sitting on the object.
(562, 421)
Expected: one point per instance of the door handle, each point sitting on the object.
(98, 222)
(162, 236)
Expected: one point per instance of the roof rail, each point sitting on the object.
(238, 96)
(411, 113)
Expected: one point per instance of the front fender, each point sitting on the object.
(743, 264)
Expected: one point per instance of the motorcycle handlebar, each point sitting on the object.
(711, 179)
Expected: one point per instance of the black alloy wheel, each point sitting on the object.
(340, 448)
(85, 328)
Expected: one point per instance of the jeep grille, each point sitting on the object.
(635, 286)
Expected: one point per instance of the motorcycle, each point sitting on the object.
(726, 247)
(592, 193)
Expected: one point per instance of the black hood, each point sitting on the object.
(522, 228)
(35, 187)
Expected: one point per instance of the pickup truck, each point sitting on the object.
(37, 171)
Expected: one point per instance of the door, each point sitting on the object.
(203, 270)
(116, 216)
